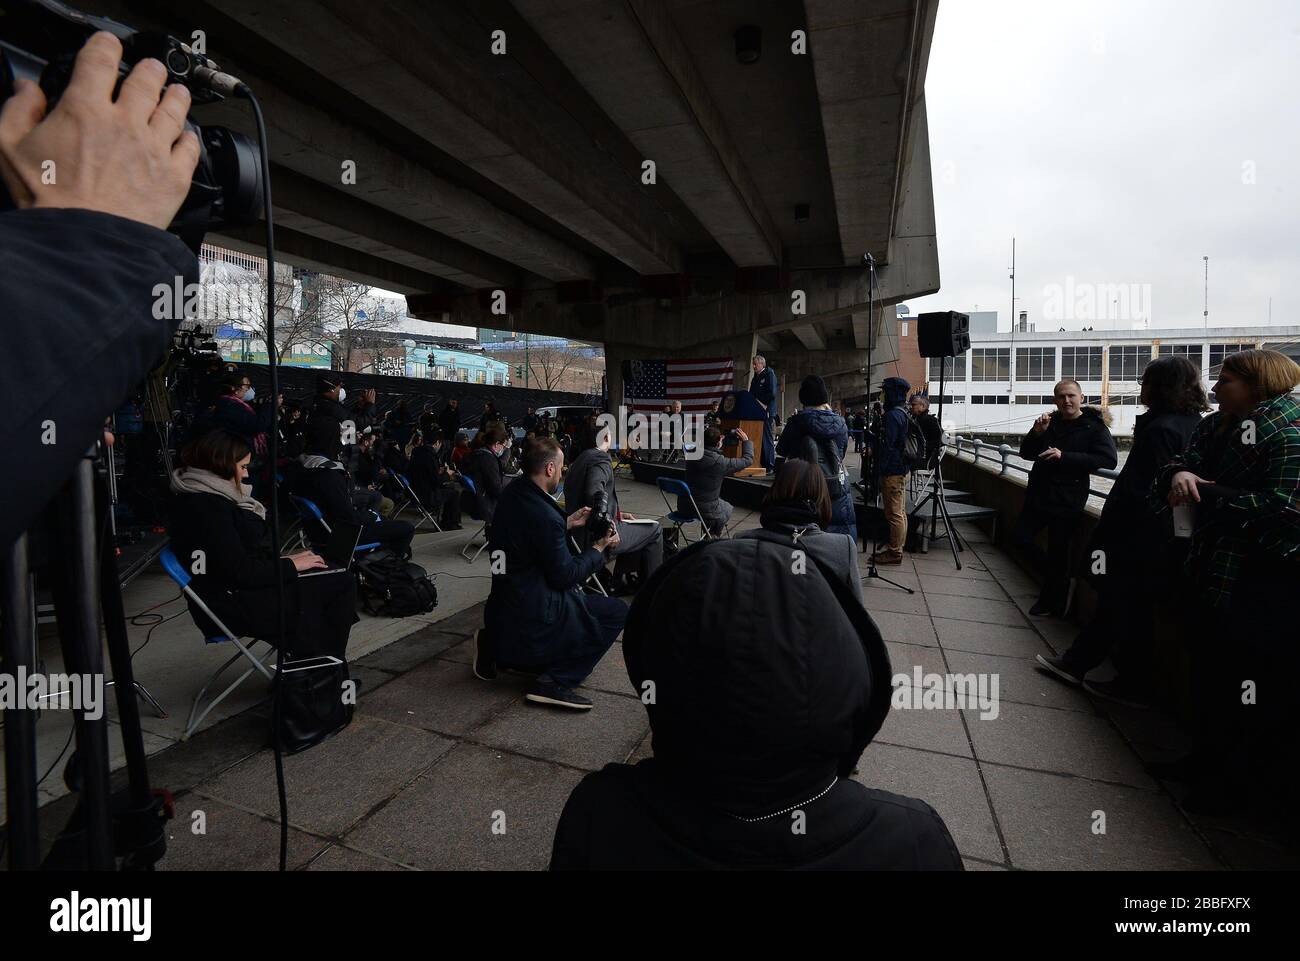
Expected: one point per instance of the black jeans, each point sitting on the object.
(395, 535)
(1124, 624)
(1055, 561)
(319, 612)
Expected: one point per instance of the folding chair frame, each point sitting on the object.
(673, 514)
(409, 491)
(259, 664)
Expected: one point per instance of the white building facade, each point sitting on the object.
(1005, 380)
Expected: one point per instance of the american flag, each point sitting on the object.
(648, 385)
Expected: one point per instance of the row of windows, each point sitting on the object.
(1126, 362)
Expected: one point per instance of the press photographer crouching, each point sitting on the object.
(590, 484)
(537, 619)
(704, 477)
(220, 533)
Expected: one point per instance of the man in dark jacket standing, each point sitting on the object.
(762, 386)
(449, 421)
(759, 723)
(1066, 447)
(1132, 541)
(818, 433)
(537, 618)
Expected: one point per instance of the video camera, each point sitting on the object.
(39, 41)
(598, 523)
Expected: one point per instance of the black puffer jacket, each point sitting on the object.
(1060, 486)
(754, 715)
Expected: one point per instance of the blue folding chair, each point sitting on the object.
(409, 493)
(679, 488)
(482, 531)
(311, 514)
(182, 578)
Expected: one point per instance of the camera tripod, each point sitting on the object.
(83, 575)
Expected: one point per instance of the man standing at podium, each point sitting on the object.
(762, 386)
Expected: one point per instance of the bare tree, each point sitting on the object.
(293, 327)
(548, 365)
(340, 303)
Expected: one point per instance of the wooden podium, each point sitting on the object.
(739, 409)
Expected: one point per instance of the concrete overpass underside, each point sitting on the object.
(504, 146)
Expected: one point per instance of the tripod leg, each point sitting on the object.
(119, 654)
(20, 723)
(75, 593)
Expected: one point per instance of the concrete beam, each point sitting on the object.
(630, 58)
(304, 250)
(810, 337)
(321, 210)
(430, 68)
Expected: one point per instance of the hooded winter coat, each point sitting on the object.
(756, 719)
(1060, 486)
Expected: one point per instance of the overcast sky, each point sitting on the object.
(1116, 140)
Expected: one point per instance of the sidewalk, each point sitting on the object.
(436, 759)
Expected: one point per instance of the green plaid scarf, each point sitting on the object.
(1265, 517)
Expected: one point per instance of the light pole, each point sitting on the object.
(1206, 313)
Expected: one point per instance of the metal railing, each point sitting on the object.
(1002, 454)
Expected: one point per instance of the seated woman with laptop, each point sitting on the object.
(219, 533)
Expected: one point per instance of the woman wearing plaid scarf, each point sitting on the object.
(1244, 565)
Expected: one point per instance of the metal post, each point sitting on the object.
(20, 723)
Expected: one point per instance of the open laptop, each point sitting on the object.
(338, 550)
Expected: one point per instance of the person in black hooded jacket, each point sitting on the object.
(1066, 447)
(758, 724)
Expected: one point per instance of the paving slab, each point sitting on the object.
(409, 651)
(336, 783)
(606, 734)
(950, 785)
(982, 609)
(338, 857)
(963, 587)
(978, 638)
(1048, 739)
(905, 628)
(233, 840)
(930, 730)
(882, 597)
(444, 697)
(1020, 680)
(445, 820)
(1048, 821)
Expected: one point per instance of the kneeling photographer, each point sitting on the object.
(537, 619)
(590, 484)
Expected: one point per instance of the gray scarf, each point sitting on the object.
(193, 480)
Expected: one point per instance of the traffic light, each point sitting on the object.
(519, 371)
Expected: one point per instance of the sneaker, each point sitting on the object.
(485, 666)
(1118, 692)
(1059, 669)
(890, 559)
(1045, 607)
(548, 692)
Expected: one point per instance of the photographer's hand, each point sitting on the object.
(609, 540)
(132, 158)
(578, 518)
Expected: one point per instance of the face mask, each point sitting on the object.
(249, 395)
(343, 395)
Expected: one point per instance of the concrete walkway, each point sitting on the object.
(436, 761)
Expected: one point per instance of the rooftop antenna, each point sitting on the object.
(1206, 313)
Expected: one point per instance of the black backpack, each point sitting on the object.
(392, 587)
(820, 451)
(914, 453)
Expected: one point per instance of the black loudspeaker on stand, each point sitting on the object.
(941, 334)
